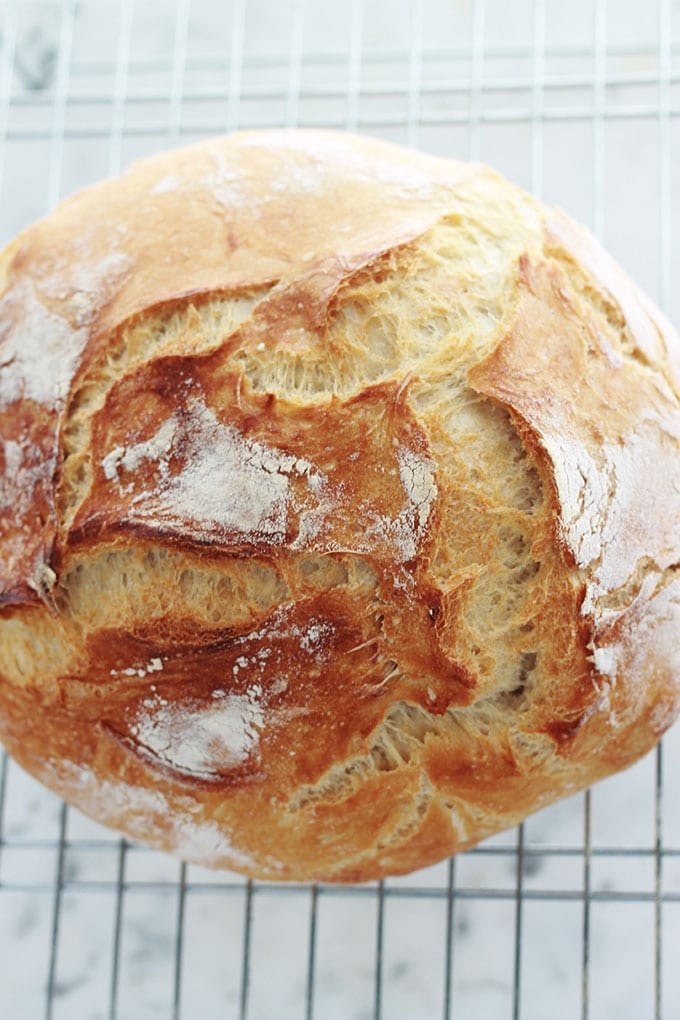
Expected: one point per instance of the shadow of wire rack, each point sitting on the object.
(577, 913)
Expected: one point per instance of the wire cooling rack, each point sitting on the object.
(576, 914)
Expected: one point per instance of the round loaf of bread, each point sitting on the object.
(339, 506)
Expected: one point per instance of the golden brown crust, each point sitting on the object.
(339, 505)
(213, 220)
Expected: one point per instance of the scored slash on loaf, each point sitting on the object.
(339, 506)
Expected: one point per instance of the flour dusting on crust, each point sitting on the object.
(406, 531)
(201, 740)
(82, 283)
(41, 348)
(226, 482)
(148, 814)
(40, 354)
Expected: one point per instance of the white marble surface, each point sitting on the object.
(94, 85)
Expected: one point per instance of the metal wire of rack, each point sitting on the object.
(576, 914)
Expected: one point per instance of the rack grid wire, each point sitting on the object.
(576, 914)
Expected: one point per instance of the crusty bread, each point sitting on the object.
(339, 506)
